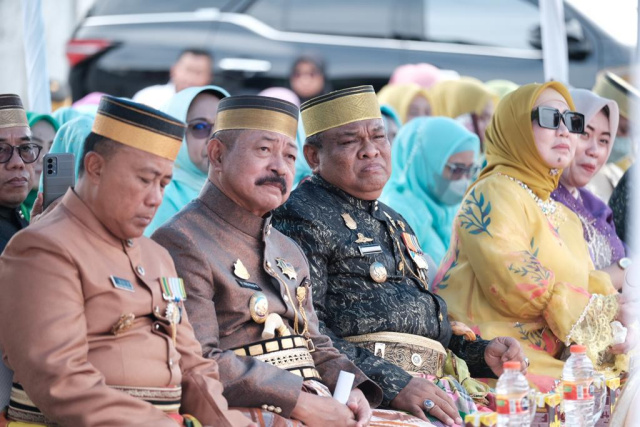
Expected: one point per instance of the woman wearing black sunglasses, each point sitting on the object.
(197, 106)
(518, 264)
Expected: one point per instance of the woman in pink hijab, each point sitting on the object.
(423, 74)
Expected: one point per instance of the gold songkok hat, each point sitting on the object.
(139, 126)
(12, 112)
(339, 108)
(250, 112)
(615, 83)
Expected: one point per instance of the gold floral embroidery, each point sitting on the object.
(593, 328)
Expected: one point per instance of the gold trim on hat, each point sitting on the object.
(256, 119)
(13, 117)
(340, 111)
(137, 137)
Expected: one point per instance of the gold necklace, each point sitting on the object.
(548, 208)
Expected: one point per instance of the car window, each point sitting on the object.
(502, 23)
(128, 7)
(364, 18)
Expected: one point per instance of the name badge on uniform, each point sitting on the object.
(173, 289)
(123, 284)
(248, 285)
(369, 249)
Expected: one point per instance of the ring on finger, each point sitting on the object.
(429, 404)
(526, 362)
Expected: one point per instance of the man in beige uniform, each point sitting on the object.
(92, 314)
(248, 282)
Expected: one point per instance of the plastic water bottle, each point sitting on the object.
(577, 387)
(512, 397)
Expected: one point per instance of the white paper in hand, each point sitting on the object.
(343, 387)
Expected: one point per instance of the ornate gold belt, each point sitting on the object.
(413, 353)
(289, 352)
(22, 408)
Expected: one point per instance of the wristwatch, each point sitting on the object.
(624, 263)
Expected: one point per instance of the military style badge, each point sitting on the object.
(173, 314)
(363, 239)
(259, 307)
(348, 221)
(240, 270)
(378, 272)
(286, 268)
(123, 324)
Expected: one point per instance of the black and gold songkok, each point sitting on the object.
(139, 126)
(339, 108)
(12, 112)
(246, 112)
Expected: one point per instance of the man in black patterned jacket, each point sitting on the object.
(369, 275)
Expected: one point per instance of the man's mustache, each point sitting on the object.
(275, 180)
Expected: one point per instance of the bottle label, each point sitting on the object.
(512, 404)
(578, 391)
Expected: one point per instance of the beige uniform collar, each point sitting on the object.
(228, 210)
(81, 212)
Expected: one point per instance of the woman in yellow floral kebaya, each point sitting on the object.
(518, 264)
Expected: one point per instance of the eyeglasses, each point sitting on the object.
(459, 170)
(200, 129)
(550, 118)
(28, 152)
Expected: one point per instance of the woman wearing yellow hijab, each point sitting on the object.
(467, 100)
(408, 100)
(518, 264)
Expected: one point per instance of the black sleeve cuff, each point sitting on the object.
(472, 352)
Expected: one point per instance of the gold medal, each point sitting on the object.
(240, 270)
(378, 272)
(348, 221)
(286, 268)
(259, 307)
(363, 239)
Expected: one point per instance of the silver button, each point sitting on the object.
(416, 359)
(130, 243)
(140, 270)
(285, 298)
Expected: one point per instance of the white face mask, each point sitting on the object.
(451, 192)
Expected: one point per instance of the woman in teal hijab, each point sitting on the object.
(43, 130)
(196, 106)
(434, 160)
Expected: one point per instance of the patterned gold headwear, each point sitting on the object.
(615, 84)
(339, 108)
(258, 113)
(12, 112)
(139, 126)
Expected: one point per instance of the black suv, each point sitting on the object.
(123, 45)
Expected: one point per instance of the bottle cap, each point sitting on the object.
(512, 365)
(578, 348)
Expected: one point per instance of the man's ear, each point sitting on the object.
(216, 151)
(94, 164)
(312, 156)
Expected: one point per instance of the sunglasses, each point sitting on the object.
(550, 118)
(459, 170)
(28, 152)
(200, 129)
